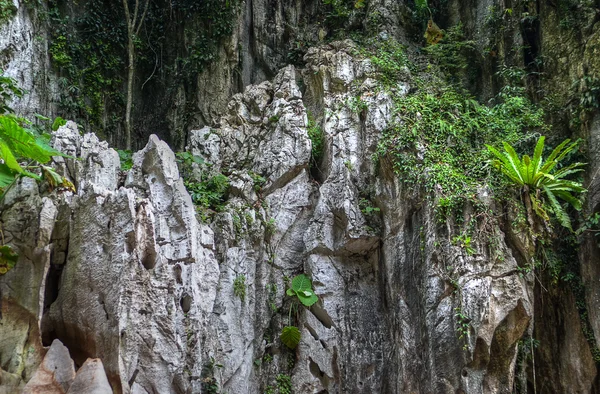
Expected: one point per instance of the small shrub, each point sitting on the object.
(239, 287)
(125, 156)
(317, 139)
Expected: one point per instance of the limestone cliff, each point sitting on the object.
(128, 271)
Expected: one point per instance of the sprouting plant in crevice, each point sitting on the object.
(239, 287)
(317, 139)
(464, 241)
(125, 157)
(284, 383)
(210, 384)
(300, 290)
(209, 192)
(463, 326)
(534, 176)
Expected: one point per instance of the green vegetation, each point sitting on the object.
(58, 122)
(338, 13)
(391, 61)
(258, 180)
(20, 144)
(317, 139)
(94, 46)
(284, 383)
(290, 336)
(367, 208)
(209, 192)
(464, 241)
(210, 384)
(7, 10)
(463, 326)
(300, 290)
(239, 287)
(126, 158)
(8, 259)
(453, 54)
(438, 140)
(534, 176)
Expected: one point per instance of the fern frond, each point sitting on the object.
(537, 156)
(559, 212)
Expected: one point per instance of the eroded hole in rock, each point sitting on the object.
(52, 286)
(130, 242)
(321, 315)
(317, 373)
(186, 303)
(312, 331)
(101, 302)
(177, 271)
(149, 259)
(465, 373)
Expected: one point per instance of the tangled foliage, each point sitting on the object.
(439, 139)
(88, 47)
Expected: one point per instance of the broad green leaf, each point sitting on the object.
(300, 283)
(53, 178)
(513, 160)
(568, 197)
(8, 259)
(24, 144)
(58, 122)
(8, 157)
(537, 156)
(540, 176)
(290, 292)
(6, 176)
(307, 300)
(290, 336)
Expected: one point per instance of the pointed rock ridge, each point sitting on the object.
(91, 379)
(56, 373)
(99, 165)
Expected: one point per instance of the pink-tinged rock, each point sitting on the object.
(91, 379)
(55, 374)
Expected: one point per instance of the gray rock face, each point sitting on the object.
(124, 271)
(24, 57)
(90, 379)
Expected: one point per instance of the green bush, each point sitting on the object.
(439, 139)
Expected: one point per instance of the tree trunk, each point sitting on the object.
(133, 28)
(130, 72)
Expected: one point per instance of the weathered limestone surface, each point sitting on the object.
(124, 271)
(55, 374)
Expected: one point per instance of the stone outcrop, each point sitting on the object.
(55, 374)
(125, 270)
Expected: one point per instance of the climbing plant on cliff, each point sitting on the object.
(438, 140)
(535, 176)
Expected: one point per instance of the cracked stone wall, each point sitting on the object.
(124, 270)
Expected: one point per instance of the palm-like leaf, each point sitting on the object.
(540, 175)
